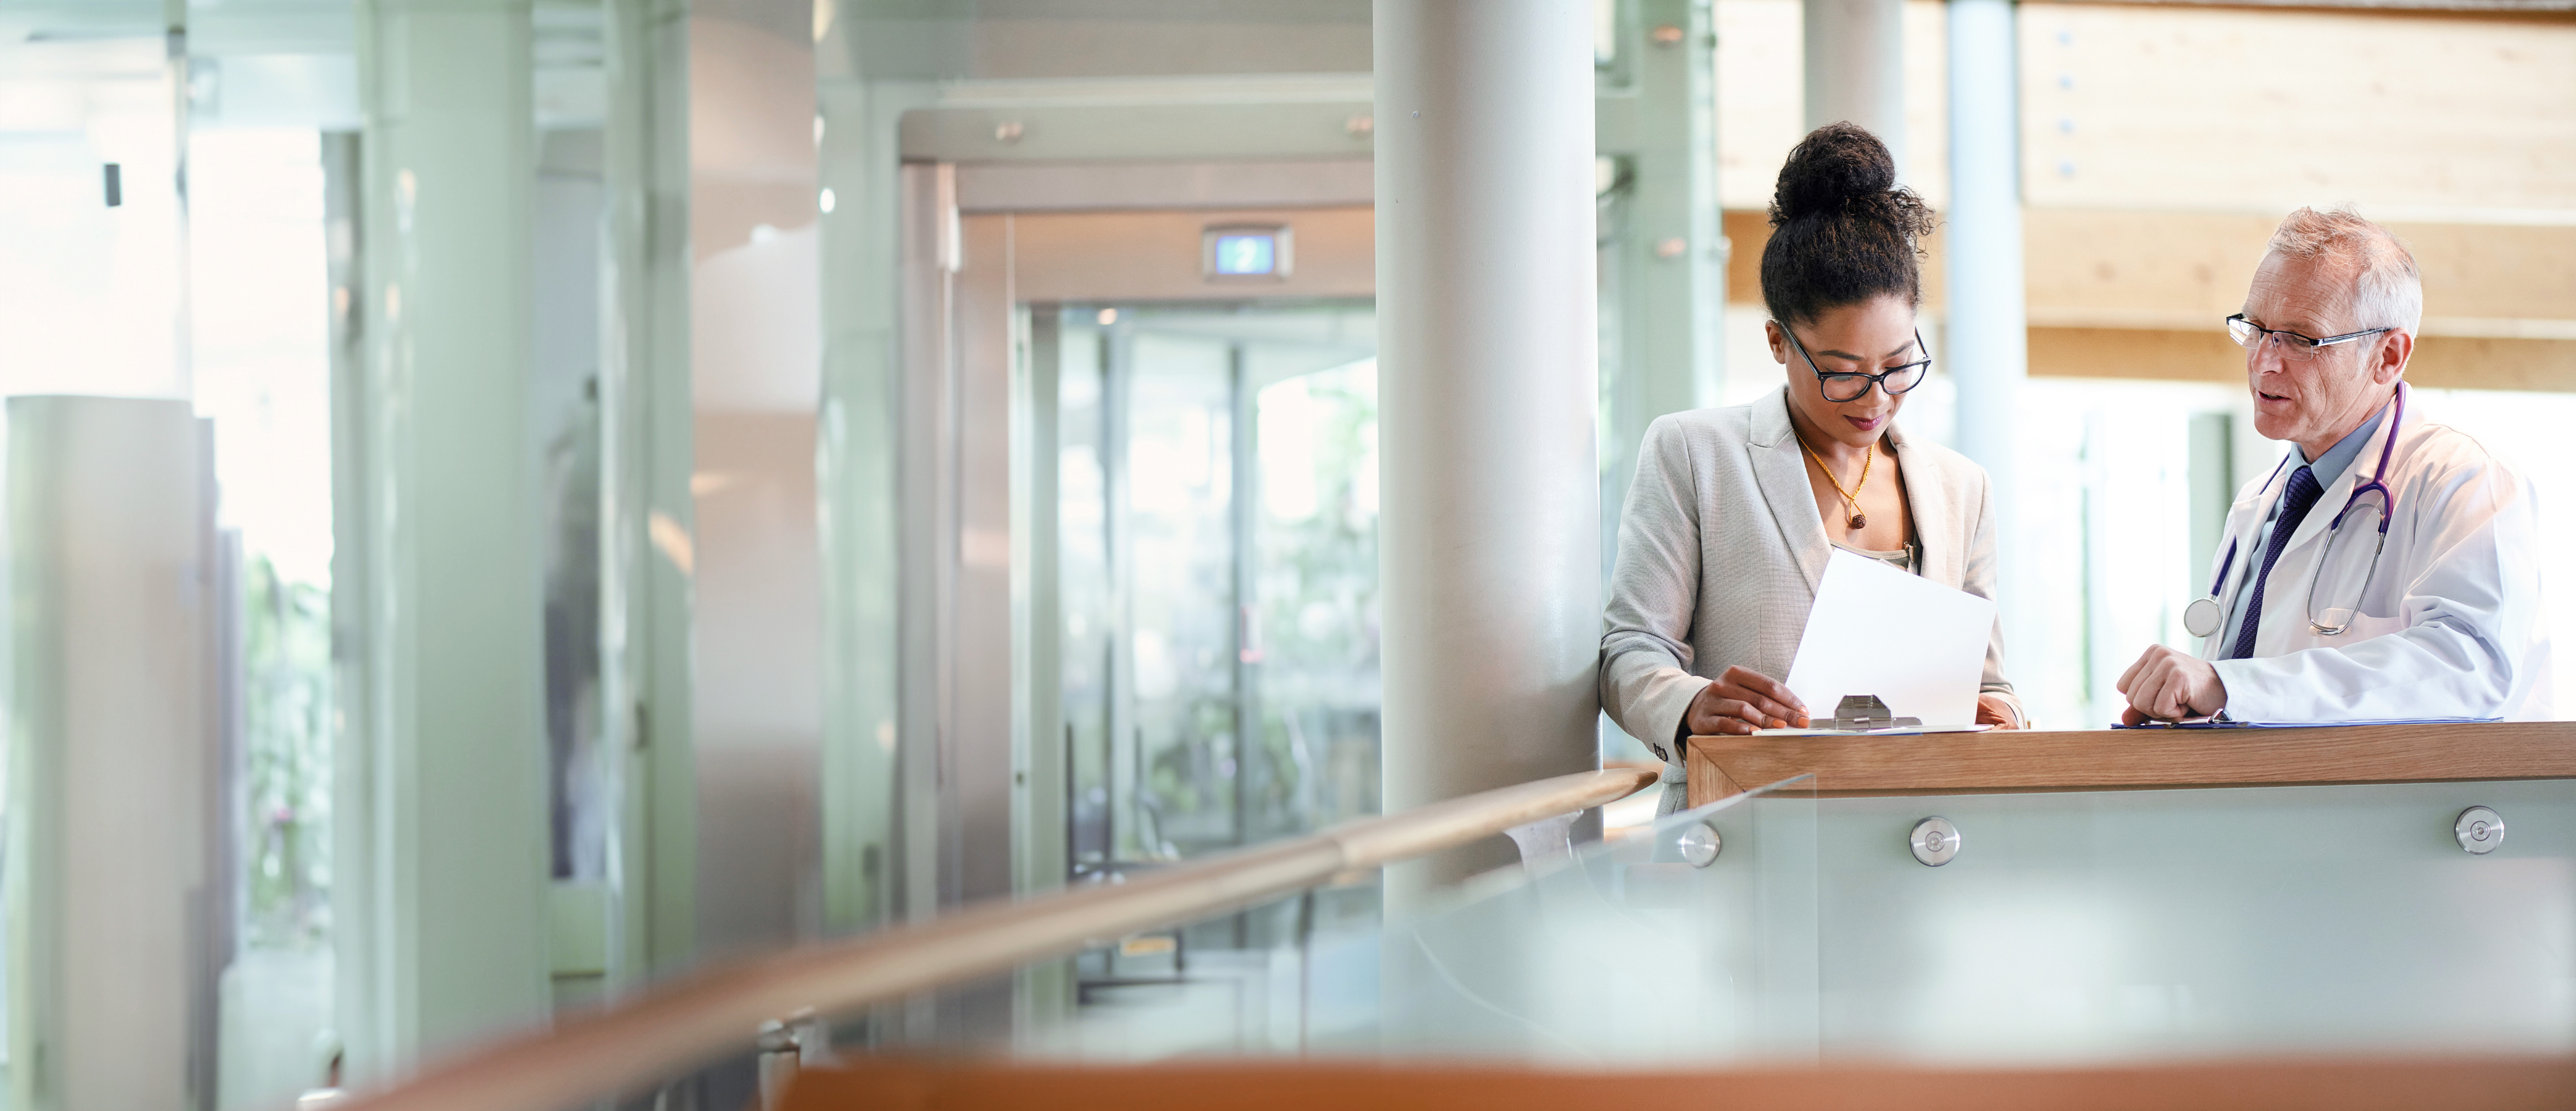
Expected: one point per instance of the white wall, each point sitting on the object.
(756, 354)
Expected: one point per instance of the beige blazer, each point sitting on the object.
(1720, 548)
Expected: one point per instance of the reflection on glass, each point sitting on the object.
(570, 207)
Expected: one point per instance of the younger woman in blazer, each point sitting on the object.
(1735, 510)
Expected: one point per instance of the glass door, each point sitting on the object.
(1217, 552)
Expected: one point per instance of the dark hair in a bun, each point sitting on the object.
(1842, 231)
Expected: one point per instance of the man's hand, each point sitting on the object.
(1741, 701)
(2165, 684)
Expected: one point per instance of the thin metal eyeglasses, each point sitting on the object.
(1895, 380)
(2249, 335)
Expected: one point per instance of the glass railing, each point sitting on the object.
(1001, 974)
(2057, 929)
(1688, 942)
(2160, 929)
(1691, 939)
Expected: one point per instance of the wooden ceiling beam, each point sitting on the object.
(2128, 294)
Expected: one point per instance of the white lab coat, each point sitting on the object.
(2450, 626)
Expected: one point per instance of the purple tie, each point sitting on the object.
(2295, 503)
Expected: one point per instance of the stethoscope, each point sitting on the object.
(2205, 615)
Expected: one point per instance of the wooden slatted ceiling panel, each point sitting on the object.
(2188, 270)
(2441, 362)
(2138, 294)
(2423, 116)
(2167, 106)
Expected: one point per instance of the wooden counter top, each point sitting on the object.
(2384, 1082)
(2098, 759)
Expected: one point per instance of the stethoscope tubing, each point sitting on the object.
(2378, 481)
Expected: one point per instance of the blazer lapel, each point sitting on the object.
(1781, 471)
(1929, 501)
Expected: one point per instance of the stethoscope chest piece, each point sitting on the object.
(2201, 617)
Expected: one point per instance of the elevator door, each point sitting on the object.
(1134, 546)
(1217, 563)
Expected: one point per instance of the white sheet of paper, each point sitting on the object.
(1891, 731)
(1876, 630)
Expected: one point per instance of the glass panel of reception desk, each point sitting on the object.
(2082, 897)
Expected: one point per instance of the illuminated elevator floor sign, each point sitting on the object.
(1246, 252)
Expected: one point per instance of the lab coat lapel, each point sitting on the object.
(1780, 469)
(2319, 516)
(2242, 519)
(2340, 491)
(1929, 502)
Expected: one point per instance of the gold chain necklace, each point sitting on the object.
(1851, 497)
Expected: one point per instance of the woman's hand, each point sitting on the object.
(1741, 701)
(1993, 710)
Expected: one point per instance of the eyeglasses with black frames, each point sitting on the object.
(1841, 386)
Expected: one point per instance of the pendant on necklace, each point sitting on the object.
(1859, 521)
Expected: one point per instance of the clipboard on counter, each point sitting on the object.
(1867, 715)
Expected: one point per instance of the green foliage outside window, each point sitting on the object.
(1318, 608)
(286, 759)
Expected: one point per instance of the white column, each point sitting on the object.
(756, 630)
(111, 751)
(1490, 528)
(1855, 67)
(449, 853)
(1986, 345)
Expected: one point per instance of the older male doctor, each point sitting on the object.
(2389, 567)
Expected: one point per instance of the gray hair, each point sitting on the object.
(2387, 290)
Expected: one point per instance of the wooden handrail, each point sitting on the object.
(672, 1029)
(1959, 763)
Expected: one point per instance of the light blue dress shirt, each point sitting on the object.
(2327, 468)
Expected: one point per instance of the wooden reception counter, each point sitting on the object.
(2100, 759)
